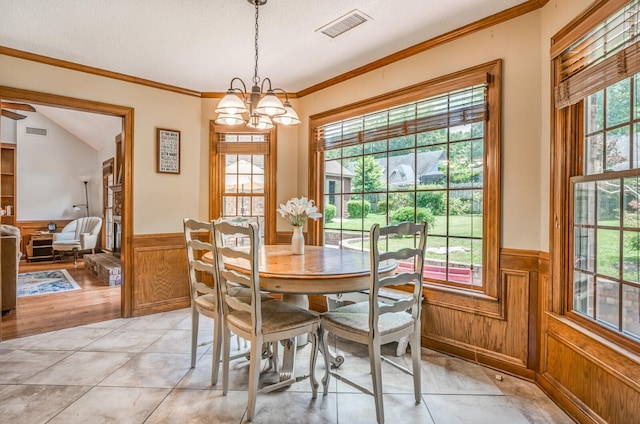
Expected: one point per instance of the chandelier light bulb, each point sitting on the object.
(270, 105)
(289, 118)
(229, 119)
(231, 104)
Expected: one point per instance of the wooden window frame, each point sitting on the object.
(488, 301)
(216, 167)
(567, 162)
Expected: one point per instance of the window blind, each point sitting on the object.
(607, 54)
(240, 143)
(461, 107)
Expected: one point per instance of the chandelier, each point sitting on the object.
(263, 107)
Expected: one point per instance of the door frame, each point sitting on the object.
(127, 115)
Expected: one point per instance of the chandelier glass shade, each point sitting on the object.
(262, 105)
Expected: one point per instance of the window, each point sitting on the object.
(414, 157)
(598, 101)
(241, 167)
(606, 258)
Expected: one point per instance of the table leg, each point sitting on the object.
(334, 359)
(288, 359)
(290, 346)
(302, 301)
(289, 354)
(286, 377)
(333, 302)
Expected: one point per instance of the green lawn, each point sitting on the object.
(608, 255)
(459, 225)
(465, 250)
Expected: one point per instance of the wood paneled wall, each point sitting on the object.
(591, 378)
(160, 276)
(502, 336)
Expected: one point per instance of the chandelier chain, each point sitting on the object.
(256, 78)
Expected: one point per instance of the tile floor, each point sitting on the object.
(137, 371)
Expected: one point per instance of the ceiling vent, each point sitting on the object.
(344, 23)
(36, 131)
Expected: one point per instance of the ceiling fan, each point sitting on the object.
(15, 106)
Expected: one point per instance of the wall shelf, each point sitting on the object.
(8, 182)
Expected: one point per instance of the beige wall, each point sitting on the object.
(515, 42)
(160, 200)
(555, 15)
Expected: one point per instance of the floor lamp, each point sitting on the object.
(85, 180)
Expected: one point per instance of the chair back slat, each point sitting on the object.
(404, 232)
(199, 245)
(399, 279)
(397, 306)
(228, 278)
(233, 252)
(401, 254)
(199, 265)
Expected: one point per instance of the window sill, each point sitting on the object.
(464, 300)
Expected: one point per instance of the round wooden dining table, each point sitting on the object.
(320, 270)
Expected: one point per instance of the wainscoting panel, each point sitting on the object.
(503, 338)
(588, 376)
(160, 276)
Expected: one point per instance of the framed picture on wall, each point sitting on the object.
(167, 151)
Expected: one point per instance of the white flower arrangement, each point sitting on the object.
(298, 211)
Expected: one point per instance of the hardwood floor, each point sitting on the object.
(40, 314)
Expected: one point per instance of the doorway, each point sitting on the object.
(8, 94)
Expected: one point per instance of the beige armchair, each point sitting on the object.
(79, 235)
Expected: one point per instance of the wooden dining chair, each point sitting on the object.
(253, 319)
(204, 292)
(375, 323)
(204, 297)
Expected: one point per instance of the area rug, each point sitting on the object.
(44, 282)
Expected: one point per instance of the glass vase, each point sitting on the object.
(297, 241)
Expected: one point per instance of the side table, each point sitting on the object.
(40, 247)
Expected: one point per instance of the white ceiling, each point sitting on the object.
(202, 44)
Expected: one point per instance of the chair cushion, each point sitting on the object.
(206, 301)
(60, 237)
(66, 245)
(276, 316)
(355, 318)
